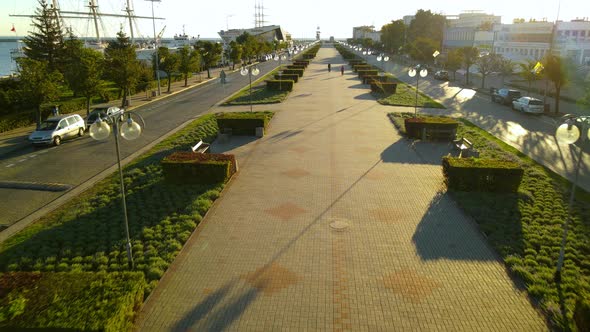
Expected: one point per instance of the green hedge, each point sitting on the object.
(303, 63)
(76, 301)
(582, 313)
(414, 126)
(243, 123)
(280, 85)
(475, 174)
(292, 77)
(367, 72)
(368, 79)
(383, 87)
(183, 167)
(296, 67)
(298, 72)
(363, 66)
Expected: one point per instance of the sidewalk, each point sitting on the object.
(16, 139)
(335, 222)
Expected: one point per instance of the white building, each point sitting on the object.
(366, 31)
(267, 33)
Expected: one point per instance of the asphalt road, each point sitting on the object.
(77, 160)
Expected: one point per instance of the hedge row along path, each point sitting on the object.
(336, 222)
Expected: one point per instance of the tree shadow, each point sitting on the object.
(408, 151)
(234, 142)
(358, 86)
(365, 96)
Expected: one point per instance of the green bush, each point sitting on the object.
(198, 168)
(414, 126)
(243, 123)
(293, 78)
(369, 79)
(16, 120)
(76, 301)
(367, 72)
(280, 85)
(296, 67)
(361, 66)
(303, 63)
(475, 174)
(298, 72)
(383, 87)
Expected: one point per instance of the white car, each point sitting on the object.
(55, 129)
(528, 105)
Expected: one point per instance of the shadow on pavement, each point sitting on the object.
(365, 96)
(408, 151)
(233, 143)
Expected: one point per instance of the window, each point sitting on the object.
(62, 124)
(575, 33)
(567, 33)
(526, 52)
(583, 33)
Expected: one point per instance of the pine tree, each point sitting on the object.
(123, 68)
(46, 42)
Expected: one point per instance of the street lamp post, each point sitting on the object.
(251, 70)
(569, 132)
(417, 71)
(130, 130)
(156, 46)
(279, 57)
(383, 59)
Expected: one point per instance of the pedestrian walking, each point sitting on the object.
(329, 67)
(55, 110)
(341, 70)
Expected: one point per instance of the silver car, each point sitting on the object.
(529, 105)
(55, 129)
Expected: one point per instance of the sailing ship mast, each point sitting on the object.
(94, 14)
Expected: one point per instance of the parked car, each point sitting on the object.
(55, 129)
(95, 113)
(505, 96)
(442, 75)
(529, 105)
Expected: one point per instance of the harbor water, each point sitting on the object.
(7, 65)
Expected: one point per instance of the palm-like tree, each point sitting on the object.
(556, 71)
(528, 72)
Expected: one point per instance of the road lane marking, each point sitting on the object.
(44, 151)
(9, 165)
(20, 161)
(33, 156)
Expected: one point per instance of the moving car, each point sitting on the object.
(505, 96)
(528, 105)
(55, 129)
(442, 75)
(102, 111)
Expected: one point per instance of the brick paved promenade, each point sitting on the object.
(335, 222)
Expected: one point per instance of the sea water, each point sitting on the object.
(7, 65)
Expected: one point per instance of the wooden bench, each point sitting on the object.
(464, 146)
(200, 147)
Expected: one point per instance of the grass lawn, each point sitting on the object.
(525, 228)
(406, 96)
(260, 94)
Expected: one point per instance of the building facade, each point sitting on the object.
(366, 31)
(268, 33)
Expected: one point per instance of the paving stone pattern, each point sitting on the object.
(335, 222)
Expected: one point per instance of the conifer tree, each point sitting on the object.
(45, 43)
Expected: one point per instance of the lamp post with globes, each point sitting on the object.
(574, 128)
(251, 70)
(130, 130)
(382, 58)
(418, 71)
(280, 57)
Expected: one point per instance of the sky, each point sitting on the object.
(300, 18)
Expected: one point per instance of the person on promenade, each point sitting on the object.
(55, 110)
(329, 67)
(341, 70)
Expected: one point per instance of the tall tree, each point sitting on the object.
(557, 72)
(249, 45)
(210, 53)
(38, 83)
(422, 49)
(84, 74)
(427, 25)
(235, 53)
(469, 55)
(168, 62)
(188, 62)
(123, 67)
(454, 61)
(392, 36)
(528, 72)
(506, 68)
(486, 65)
(45, 43)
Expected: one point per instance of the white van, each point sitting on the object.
(55, 129)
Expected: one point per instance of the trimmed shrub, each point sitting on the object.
(303, 63)
(183, 167)
(363, 66)
(72, 301)
(368, 79)
(280, 85)
(293, 78)
(355, 62)
(384, 87)
(367, 72)
(475, 174)
(243, 123)
(298, 72)
(414, 126)
(296, 67)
